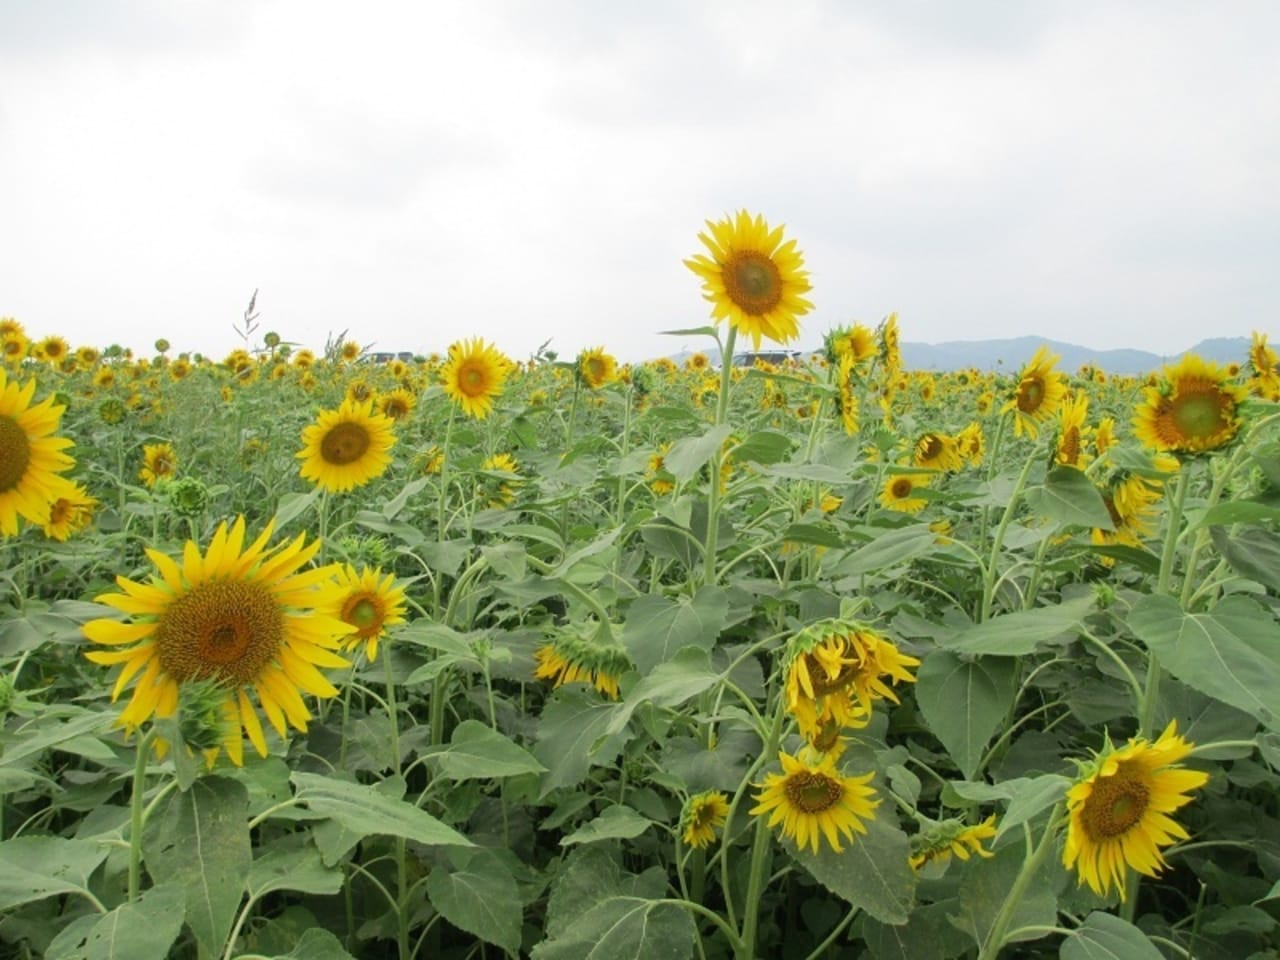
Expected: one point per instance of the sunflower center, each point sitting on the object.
(930, 447)
(345, 443)
(813, 792)
(1199, 415)
(1030, 394)
(61, 511)
(901, 488)
(363, 612)
(15, 453)
(595, 369)
(221, 630)
(473, 380)
(753, 282)
(1115, 805)
(1069, 449)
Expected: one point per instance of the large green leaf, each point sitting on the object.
(987, 884)
(589, 876)
(572, 737)
(964, 702)
(199, 840)
(141, 930)
(1070, 498)
(1021, 633)
(1230, 652)
(316, 943)
(617, 822)
(890, 548)
(477, 894)
(689, 454)
(292, 863)
(1029, 797)
(1104, 936)
(872, 872)
(1252, 553)
(763, 446)
(657, 627)
(624, 928)
(32, 868)
(476, 751)
(39, 735)
(1234, 511)
(669, 685)
(364, 810)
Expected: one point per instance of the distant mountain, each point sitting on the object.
(1013, 353)
(1010, 354)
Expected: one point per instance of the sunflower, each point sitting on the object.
(69, 513)
(10, 326)
(753, 279)
(972, 444)
(697, 362)
(1131, 502)
(846, 398)
(14, 348)
(53, 349)
(31, 457)
(937, 451)
(1104, 438)
(397, 404)
(574, 659)
(349, 351)
(702, 815)
(897, 492)
(369, 602)
(347, 447)
(812, 799)
(1039, 393)
(245, 617)
(474, 375)
(159, 462)
(660, 479)
(503, 490)
(1191, 410)
(942, 840)
(1262, 358)
(890, 345)
(180, 369)
(1118, 810)
(1071, 451)
(596, 368)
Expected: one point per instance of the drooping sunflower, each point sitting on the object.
(501, 490)
(574, 659)
(703, 814)
(952, 837)
(31, 457)
(370, 602)
(474, 376)
(1038, 395)
(890, 345)
(812, 799)
(1193, 408)
(1118, 810)
(898, 492)
(69, 513)
(159, 462)
(247, 618)
(596, 368)
(937, 451)
(753, 279)
(347, 447)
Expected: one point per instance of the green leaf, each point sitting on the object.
(1252, 553)
(624, 928)
(1230, 652)
(292, 865)
(1070, 498)
(617, 822)
(1234, 511)
(589, 876)
(397, 503)
(658, 627)
(987, 884)
(1104, 936)
(889, 549)
(478, 752)
(142, 930)
(572, 737)
(199, 840)
(763, 446)
(916, 939)
(292, 505)
(32, 868)
(821, 536)
(316, 943)
(1028, 797)
(670, 684)
(477, 894)
(1021, 633)
(688, 455)
(964, 702)
(40, 735)
(873, 872)
(691, 332)
(364, 810)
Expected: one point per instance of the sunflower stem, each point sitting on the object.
(989, 574)
(402, 871)
(717, 459)
(1030, 867)
(136, 815)
(761, 845)
(444, 497)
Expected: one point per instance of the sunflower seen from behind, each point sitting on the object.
(347, 447)
(1193, 408)
(31, 456)
(1118, 810)
(752, 278)
(474, 376)
(245, 617)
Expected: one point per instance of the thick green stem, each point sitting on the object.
(717, 460)
(402, 871)
(762, 843)
(136, 818)
(989, 575)
(1030, 867)
(441, 505)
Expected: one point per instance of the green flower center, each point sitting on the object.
(15, 453)
(1199, 415)
(364, 613)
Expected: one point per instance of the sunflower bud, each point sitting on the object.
(187, 497)
(112, 411)
(200, 714)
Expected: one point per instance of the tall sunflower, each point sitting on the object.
(247, 618)
(159, 462)
(899, 492)
(31, 457)
(1072, 438)
(474, 376)
(753, 279)
(847, 399)
(1193, 408)
(1038, 395)
(369, 602)
(596, 368)
(1118, 810)
(347, 447)
(702, 815)
(70, 513)
(812, 799)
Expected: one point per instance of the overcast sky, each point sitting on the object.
(1104, 173)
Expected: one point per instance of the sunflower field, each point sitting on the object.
(308, 656)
